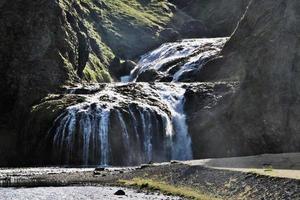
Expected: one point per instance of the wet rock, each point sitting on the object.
(149, 76)
(100, 169)
(133, 118)
(120, 193)
(120, 68)
(144, 166)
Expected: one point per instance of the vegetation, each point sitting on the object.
(166, 188)
(122, 28)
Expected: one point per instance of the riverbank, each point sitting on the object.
(187, 179)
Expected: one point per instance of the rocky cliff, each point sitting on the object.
(263, 54)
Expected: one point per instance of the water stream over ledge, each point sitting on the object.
(123, 124)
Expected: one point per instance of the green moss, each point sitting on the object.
(96, 71)
(52, 105)
(122, 28)
(166, 188)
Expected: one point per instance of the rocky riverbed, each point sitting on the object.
(174, 178)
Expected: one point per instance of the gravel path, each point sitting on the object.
(285, 165)
(75, 193)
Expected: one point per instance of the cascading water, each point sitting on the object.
(171, 61)
(114, 127)
(174, 98)
(133, 123)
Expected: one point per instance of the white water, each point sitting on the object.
(182, 147)
(82, 133)
(93, 126)
(192, 54)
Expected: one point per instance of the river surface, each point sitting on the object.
(74, 193)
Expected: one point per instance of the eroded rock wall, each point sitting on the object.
(264, 55)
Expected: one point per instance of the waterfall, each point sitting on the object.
(82, 128)
(103, 137)
(132, 123)
(174, 98)
(114, 127)
(173, 60)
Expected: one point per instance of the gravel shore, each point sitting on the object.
(213, 182)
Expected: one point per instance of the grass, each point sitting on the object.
(268, 168)
(117, 28)
(166, 188)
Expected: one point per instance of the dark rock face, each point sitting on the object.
(219, 17)
(263, 54)
(269, 95)
(206, 106)
(194, 28)
(170, 33)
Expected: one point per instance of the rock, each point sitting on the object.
(120, 193)
(219, 17)
(100, 169)
(46, 45)
(194, 29)
(144, 166)
(173, 162)
(181, 4)
(149, 76)
(206, 110)
(119, 68)
(263, 54)
(170, 34)
(269, 96)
